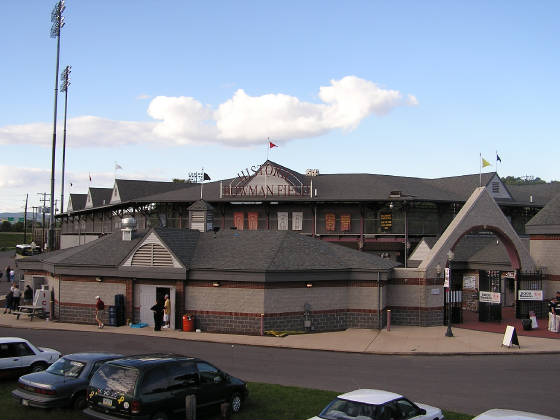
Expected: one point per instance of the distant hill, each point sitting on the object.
(16, 216)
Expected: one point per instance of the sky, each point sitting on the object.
(163, 88)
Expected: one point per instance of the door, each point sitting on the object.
(147, 300)
(212, 385)
(490, 281)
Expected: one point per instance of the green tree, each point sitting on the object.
(6, 226)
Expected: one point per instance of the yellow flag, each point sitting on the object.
(485, 163)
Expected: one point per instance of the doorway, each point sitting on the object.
(148, 294)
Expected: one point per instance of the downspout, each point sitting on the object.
(379, 323)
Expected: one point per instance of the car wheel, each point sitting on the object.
(79, 402)
(160, 415)
(38, 367)
(235, 403)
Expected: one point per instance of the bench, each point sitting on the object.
(30, 312)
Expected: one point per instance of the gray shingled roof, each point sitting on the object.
(200, 205)
(278, 251)
(132, 189)
(100, 196)
(540, 193)
(549, 214)
(78, 201)
(182, 242)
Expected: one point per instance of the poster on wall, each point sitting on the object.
(490, 297)
(469, 281)
(530, 294)
(386, 221)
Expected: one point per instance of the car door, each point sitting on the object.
(406, 409)
(183, 381)
(24, 355)
(154, 391)
(212, 385)
(8, 359)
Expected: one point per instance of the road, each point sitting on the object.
(467, 384)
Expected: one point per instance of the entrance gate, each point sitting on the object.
(453, 298)
(490, 281)
(529, 281)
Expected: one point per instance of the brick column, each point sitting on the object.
(129, 299)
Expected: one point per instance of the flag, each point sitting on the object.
(117, 166)
(90, 177)
(485, 163)
(271, 145)
(206, 177)
(498, 158)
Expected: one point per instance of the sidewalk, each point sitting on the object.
(402, 340)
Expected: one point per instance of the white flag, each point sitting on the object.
(117, 166)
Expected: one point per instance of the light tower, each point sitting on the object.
(64, 83)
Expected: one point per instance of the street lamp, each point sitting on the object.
(449, 332)
(57, 23)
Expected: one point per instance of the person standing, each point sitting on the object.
(9, 299)
(8, 269)
(12, 275)
(158, 315)
(166, 312)
(16, 298)
(554, 313)
(99, 308)
(28, 295)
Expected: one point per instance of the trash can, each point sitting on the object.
(526, 324)
(188, 323)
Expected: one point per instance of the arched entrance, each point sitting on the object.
(481, 287)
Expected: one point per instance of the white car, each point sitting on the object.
(375, 404)
(17, 355)
(502, 413)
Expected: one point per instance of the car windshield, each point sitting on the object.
(66, 367)
(340, 409)
(118, 379)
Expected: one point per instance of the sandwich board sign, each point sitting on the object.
(510, 337)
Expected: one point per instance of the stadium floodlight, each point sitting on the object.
(64, 83)
(57, 23)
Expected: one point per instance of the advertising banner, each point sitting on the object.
(530, 295)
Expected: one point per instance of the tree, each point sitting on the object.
(6, 226)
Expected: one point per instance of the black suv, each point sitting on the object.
(154, 386)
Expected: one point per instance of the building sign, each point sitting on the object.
(447, 277)
(297, 220)
(530, 295)
(330, 222)
(282, 220)
(386, 221)
(345, 222)
(490, 297)
(266, 180)
(469, 281)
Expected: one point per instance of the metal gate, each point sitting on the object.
(529, 281)
(490, 281)
(453, 299)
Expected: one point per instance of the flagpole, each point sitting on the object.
(267, 147)
(202, 183)
(480, 171)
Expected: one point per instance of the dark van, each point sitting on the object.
(155, 386)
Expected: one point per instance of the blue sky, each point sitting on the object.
(164, 88)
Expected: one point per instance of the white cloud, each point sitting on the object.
(242, 120)
(143, 96)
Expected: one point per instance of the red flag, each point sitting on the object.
(271, 145)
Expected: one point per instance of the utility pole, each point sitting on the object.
(43, 208)
(35, 210)
(57, 23)
(25, 220)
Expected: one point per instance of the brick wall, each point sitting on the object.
(417, 317)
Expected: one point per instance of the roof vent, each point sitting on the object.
(312, 172)
(128, 225)
(395, 194)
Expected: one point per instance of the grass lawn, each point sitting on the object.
(265, 401)
(9, 240)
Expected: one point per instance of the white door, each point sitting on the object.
(147, 300)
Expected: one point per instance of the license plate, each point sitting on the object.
(107, 402)
(24, 402)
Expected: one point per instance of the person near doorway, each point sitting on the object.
(16, 298)
(99, 308)
(27, 295)
(158, 315)
(166, 312)
(9, 299)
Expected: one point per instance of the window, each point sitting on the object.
(21, 349)
(297, 220)
(345, 222)
(66, 367)
(405, 409)
(253, 219)
(155, 381)
(239, 220)
(184, 375)
(282, 220)
(116, 378)
(330, 222)
(207, 373)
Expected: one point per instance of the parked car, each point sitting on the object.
(17, 356)
(63, 384)
(501, 413)
(374, 404)
(155, 386)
